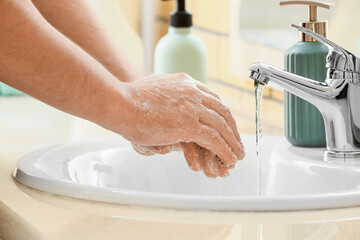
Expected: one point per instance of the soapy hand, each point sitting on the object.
(173, 108)
(197, 157)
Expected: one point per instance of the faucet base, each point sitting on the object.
(352, 157)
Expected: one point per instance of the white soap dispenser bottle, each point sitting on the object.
(180, 50)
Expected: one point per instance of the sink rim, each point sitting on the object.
(20, 176)
(172, 200)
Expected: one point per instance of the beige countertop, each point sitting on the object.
(25, 213)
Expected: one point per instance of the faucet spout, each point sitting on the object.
(308, 89)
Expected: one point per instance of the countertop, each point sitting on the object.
(25, 213)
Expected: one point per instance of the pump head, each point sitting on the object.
(180, 17)
(320, 27)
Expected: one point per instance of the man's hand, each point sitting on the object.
(198, 158)
(173, 108)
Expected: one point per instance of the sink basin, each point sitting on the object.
(292, 178)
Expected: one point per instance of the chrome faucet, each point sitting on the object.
(338, 98)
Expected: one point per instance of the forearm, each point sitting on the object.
(38, 60)
(78, 21)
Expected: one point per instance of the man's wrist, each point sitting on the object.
(119, 111)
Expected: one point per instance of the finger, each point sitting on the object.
(143, 150)
(210, 139)
(224, 168)
(215, 104)
(162, 149)
(211, 164)
(226, 165)
(215, 121)
(198, 84)
(223, 171)
(206, 89)
(193, 155)
(177, 147)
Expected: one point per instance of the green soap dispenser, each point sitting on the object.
(180, 50)
(304, 125)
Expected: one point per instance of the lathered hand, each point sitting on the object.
(173, 108)
(197, 157)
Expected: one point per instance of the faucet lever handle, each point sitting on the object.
(338, 58)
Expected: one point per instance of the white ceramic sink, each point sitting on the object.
(292, 178)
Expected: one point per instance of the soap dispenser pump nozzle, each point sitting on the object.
(180, 17)
(320, 27)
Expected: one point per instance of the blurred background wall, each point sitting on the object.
(236, 33)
